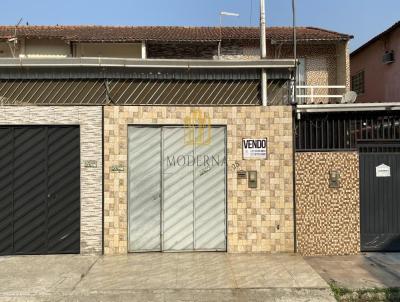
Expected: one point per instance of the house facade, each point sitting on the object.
(346, 175)
(375, 68)
(165, 130)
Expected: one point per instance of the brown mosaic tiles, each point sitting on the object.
(327, 219)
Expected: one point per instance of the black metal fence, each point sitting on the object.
(348, 131)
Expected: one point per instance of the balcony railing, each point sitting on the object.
(320, 94)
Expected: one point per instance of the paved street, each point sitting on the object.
(161, 277)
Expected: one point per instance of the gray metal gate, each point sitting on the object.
(177, 190)
(380, 201)
(39, 190)
(144, 156)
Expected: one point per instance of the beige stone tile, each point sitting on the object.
(242, 122)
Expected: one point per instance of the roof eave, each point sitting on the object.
(322, 108)
(145, 63)
(376, 38)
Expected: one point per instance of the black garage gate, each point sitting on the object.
(380, 197)
(39, 189)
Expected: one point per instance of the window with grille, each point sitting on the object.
(357, 82)
(348, 130)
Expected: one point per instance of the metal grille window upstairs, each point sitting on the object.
(357, 83)
(222, 92)
(347, 131)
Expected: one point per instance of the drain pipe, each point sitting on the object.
(263, 46)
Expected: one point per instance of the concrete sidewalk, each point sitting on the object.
(161, 277)
(368, 270)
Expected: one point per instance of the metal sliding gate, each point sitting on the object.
(177, 189)
(380, 197)
(39, 190)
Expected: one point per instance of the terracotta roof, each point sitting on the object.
(165, 33)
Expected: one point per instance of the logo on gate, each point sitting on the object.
(198, 128)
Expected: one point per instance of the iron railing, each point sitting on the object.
(182, 92)
(319, 94)
(345, 130)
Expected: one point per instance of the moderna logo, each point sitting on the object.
(197, 128)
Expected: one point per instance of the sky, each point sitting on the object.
(362, 18)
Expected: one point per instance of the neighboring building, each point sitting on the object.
(165, 130)
(375, 68)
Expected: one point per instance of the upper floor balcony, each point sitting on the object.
(324, 94)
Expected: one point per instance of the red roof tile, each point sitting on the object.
(165, 33)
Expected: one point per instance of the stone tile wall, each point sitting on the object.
(259, 220)
(90, 121)
(327, 219)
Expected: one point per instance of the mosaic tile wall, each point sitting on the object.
(326, 64)
(259, 220)
(327, 219)
(90, 120)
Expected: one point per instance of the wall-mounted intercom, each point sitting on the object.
(334, 179)
(252, 179)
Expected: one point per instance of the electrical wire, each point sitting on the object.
(251, 12)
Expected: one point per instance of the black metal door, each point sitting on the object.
(6, 191)
(380, 201)
(39, 190)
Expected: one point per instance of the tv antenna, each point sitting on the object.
(13, 41)
(221, 15)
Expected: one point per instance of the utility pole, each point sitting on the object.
(263, 46)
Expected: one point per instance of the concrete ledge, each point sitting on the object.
(315, 108)
(192, 295)
(145, 63)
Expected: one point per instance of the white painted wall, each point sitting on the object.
(45, 48)
(109, 50)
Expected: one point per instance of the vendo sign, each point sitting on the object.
(254, 148)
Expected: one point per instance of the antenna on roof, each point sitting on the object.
(13, 41)
(16, 27)
(251, 12)
(222, 14)
(229, 14)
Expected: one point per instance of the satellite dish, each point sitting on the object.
(349, 97)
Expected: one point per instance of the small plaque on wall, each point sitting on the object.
(383, 171)
(241, 174)
(254, 148)
(117, 168)
(90, 163)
